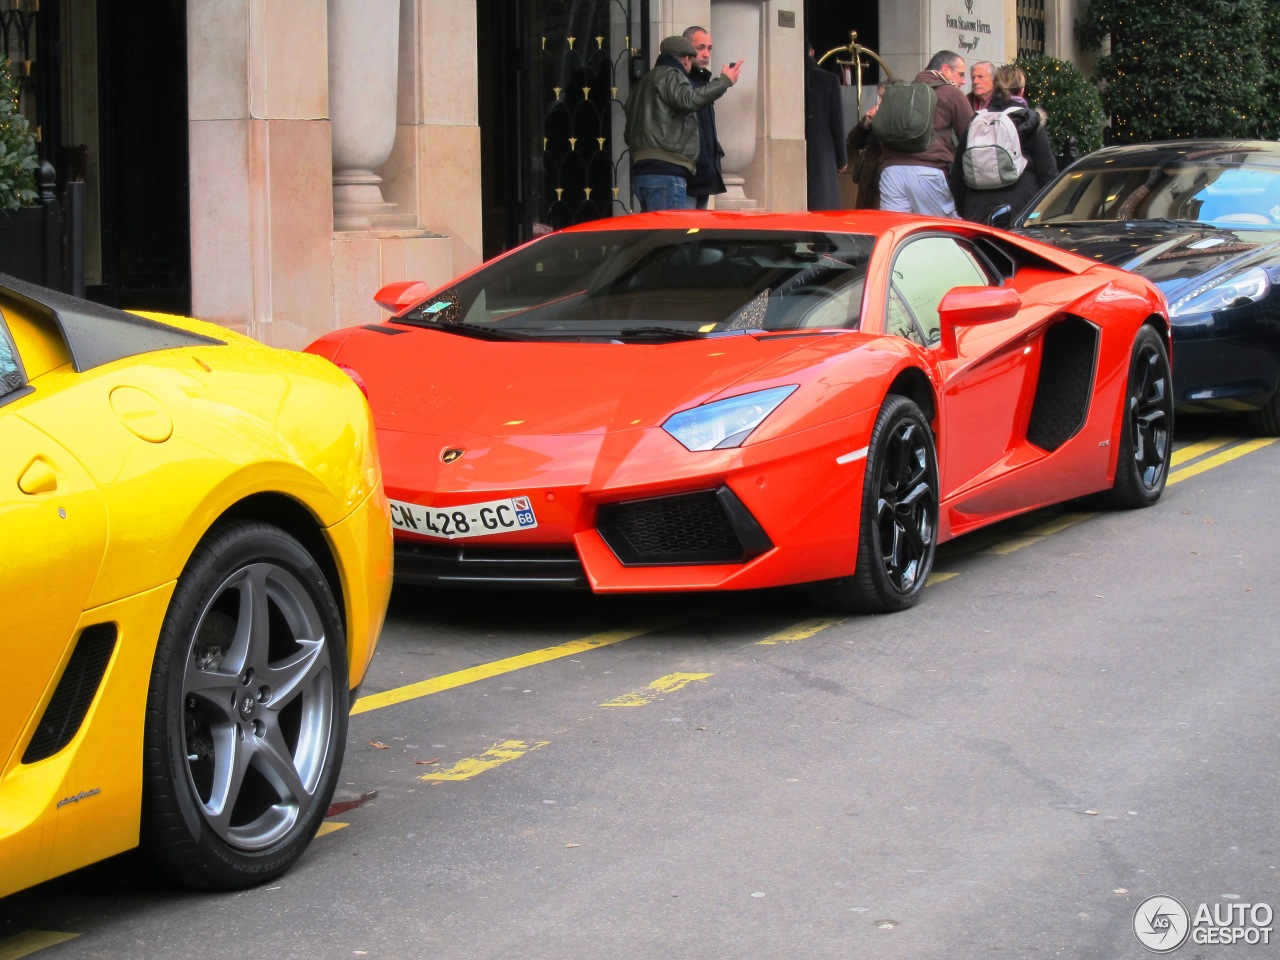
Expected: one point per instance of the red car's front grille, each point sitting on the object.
(710, 526)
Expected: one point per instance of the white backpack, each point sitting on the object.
(993, 152)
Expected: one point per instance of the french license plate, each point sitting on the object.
(465, 519)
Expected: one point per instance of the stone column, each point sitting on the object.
(364, 43)
(736, 27)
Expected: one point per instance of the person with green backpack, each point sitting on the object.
(918, 125)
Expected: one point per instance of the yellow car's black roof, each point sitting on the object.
(95, 334)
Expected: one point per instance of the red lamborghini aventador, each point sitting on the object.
(695, 401)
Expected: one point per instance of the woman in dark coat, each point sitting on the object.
(978, 205)
(865, 145)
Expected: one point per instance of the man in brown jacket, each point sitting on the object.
(917, 182)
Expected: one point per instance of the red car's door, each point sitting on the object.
(987, 381)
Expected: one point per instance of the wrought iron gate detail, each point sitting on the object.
(580, 78)
(1030, 14)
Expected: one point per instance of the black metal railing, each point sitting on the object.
(1030, 18)
(583, 64)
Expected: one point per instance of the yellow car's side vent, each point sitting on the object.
(76, 690)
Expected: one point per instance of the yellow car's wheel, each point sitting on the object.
(246, 713)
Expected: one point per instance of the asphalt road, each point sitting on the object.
(1079, 715)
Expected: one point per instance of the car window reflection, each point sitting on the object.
(11, 376)
(647, 284)
(1233, 190)
(924, 270)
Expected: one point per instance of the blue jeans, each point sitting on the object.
(659, 192)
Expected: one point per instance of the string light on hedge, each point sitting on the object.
(18, 157)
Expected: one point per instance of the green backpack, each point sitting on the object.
(904, 120)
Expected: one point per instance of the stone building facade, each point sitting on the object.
(333, 146)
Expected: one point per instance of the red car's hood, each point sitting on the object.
(519, 416)
(425, 381)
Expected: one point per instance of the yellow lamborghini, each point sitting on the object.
(195, 561)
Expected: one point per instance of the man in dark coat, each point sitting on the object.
(706, 181)
(824, 135)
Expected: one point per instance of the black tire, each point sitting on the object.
(898, 529)
(1146, 435)
(246, 712)
(1266, 420)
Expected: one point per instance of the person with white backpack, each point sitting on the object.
(1007, 157)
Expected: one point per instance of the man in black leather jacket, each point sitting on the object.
(707, 180)
(662, 129)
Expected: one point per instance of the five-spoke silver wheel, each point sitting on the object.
(247, 712)
(258, 701)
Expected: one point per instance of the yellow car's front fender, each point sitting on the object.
(194, 436)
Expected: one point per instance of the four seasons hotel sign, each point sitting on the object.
(972, 28)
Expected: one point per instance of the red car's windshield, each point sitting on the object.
(635, 285)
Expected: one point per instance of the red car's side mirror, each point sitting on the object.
(970, 305)
(399, 296)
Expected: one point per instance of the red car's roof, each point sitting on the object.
(847, 221)
(870, 222)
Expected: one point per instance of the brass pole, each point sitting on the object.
(854, 50)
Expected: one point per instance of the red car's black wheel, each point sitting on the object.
(247, 711)
(898, 533)
(1146, 436)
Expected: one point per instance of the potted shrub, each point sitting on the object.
(18, 159)
(1072, 102)
(30, 221)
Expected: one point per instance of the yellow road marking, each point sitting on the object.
(1036, 534)
(1218, 460)
(484, 671)
(499, 753)
(1009, 545)
(1050, 527)
(668, 684)
(1191, 452)
(330, 826)
(31, 941)
(802, 631)
(1194, 450)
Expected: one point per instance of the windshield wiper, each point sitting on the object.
(650, 333)
(462, 329)
(1171, 222)
(1067, 224)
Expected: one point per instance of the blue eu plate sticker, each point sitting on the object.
(524, 511)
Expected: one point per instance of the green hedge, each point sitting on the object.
(1185, 68)
(18, 158)
(1070, 99)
